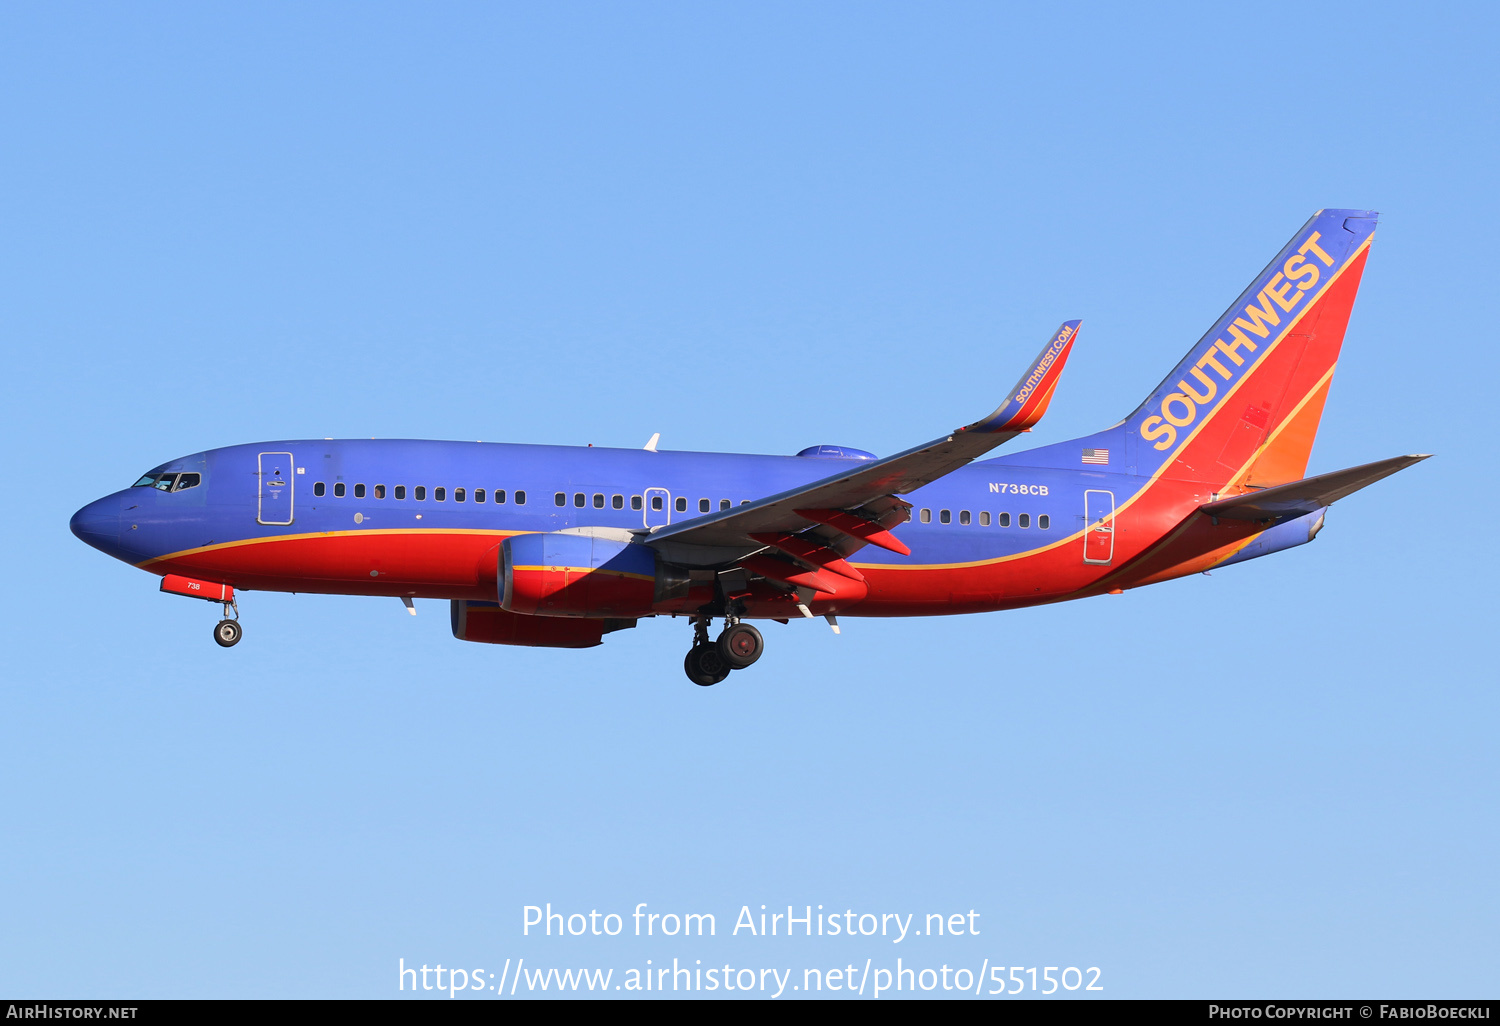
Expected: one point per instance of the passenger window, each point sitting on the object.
(926, 516)
(401, 491)
(945, 517)
(499, 496)
(479, 495)
(656, 502)
(420, 493)
(723, 503)
(984, 518)
(744, 502)
(380, 491)
(186, 481)
(359, 491)
(319, 489)
(598, 500)
(438, 494)
(1004, 519)
(520, 498)
(618, 502)
(681, 504)
(459, 495)
(963, 516)
(578, 499)
(338, 490)
(635, 502)
(1024, 520)
(561, 498)
(703, 506)
(1043, 522)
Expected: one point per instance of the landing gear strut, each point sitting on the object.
(228, 632)
(709, 662)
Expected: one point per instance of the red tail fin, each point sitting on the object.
(1243, 407)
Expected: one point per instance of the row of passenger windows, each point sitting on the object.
(598, 501)
(945, 516)
(419, 493)
(658, 502)
(580, 499)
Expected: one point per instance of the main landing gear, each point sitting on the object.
(709, 662)
(228, 632)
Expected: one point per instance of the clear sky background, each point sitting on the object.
(751, 228)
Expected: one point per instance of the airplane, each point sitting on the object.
(557, 546)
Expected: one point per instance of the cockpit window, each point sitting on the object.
(169, 482)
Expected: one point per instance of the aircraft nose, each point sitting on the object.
(98, 523)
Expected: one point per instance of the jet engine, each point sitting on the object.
(579, 575)
(486, 622)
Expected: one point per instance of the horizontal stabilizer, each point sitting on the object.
(1302, 497)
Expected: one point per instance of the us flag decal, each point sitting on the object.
(1096, 456)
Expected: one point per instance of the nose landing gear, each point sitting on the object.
(227, 632)
(709, 662)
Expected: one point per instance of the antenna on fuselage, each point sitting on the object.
(651, 445)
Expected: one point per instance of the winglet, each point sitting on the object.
(1029, 399)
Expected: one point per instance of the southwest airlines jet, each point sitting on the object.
(558, 546)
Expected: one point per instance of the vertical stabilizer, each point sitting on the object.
(1242, 408)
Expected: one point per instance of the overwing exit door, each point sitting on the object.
(1099, 535)
(658, 511)
(275, 473)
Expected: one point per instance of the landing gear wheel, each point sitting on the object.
(704, 666)
(228, 633)
(740, 645)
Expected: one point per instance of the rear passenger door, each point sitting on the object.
(1099, 535)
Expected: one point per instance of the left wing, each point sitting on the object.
(858, 505)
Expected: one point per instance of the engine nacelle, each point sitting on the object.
(577, 575)
(1283, 536)
(486, 622)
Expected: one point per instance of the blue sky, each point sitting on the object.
(749, 228)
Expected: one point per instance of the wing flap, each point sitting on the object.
(810, 551)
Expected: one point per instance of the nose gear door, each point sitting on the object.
(276, 475)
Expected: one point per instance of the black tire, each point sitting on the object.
(740, 645)
(228, 633)
(704, 666)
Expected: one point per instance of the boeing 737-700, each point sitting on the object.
(558, 546)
